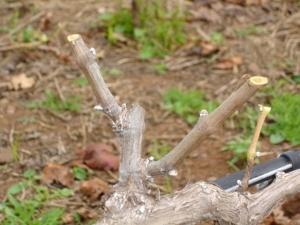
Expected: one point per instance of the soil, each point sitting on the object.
(56, 137)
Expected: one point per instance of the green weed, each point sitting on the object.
(285, 119)
(188, 104)
(119, 22)
(157, 150)
(159, 33)
(251, 30)
(32, 211)
(81, 81)
(114, 72)
(239, 147)
(217, 38)
(54, 103)
(15, 147)
(26, 120)
(289, 64)
(12, 22)
(159, 68)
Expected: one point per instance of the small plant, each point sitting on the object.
(32, 211)
(119, 22)
(26, 120)
(12, 22)
(158, 151)
(81, 174)
(217, 38)
(114, 72)
(160, 31)
(251, 30)
(81, 81)
(289, 64)
(239, 147)
(54, 103)
(188, 104)
(15, 147)
(286, 120)
(159, 68)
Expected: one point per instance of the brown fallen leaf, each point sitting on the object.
(21, 81)
(59, 173)
(229, 63)
(94, 188)
(206, 14)
(99, 156)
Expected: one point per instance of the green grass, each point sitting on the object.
(159, 68)
(157, 150)
(160, 31)
(32, 210)
(55, 103)
(81, 174)
(282, 123)
(285, 124)
(15, 147)
(81, 82)
(188, 104)
(239, 147)
(251, 30)
(217, 38)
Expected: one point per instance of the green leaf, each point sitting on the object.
(30, 173)
(276, 138)
(82, 82)
(147, 52)
(16, 188)
(138, 33)
(66, 192)
(79, 173)
(114, 72)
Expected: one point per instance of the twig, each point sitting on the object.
(206, 126)
(19, 46)
(251, 153)
(87, 63)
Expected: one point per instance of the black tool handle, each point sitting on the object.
(286, 162)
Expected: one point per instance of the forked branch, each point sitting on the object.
(206, 126)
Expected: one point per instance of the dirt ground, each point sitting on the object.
(55, 137)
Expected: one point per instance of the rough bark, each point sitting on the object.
(130, 201)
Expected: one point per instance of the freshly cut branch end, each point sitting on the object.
(257, 81)
(73, 37)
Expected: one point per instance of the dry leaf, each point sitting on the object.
(202, 48)
(21, 81)
(229, 63)
(94, 188)
(206, 14)
(208, 48)
(59, 173)
(99, 156)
